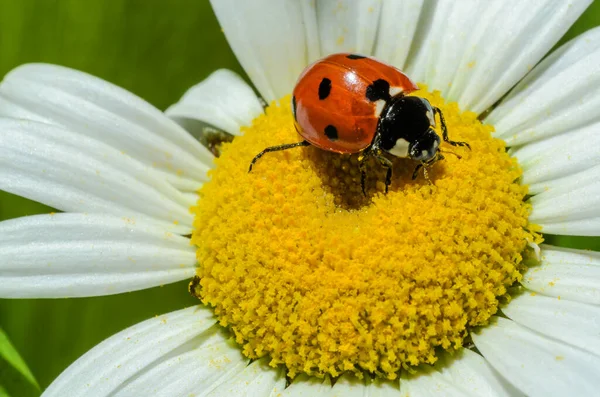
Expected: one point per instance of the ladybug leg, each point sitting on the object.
(449, 152)
(426, 175)
(388, 179)
(429, 164)
(276, 149)
(385, 162)
(362, 166)
(445, 130)
(416, 171)
(425, 165)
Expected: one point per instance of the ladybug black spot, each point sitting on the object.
(380, 89)
(355, 56)
(331, 132)
(294, 104)
(324, 88)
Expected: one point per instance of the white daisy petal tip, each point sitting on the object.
(222, 100)
(269, 39)
(79, 255)
(536, 110)
(470, 63)
(139, 360)
(100, 110)
(535, 364)
(71, 172)
(180, 353)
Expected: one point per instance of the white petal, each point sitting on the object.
(268, 38)
(555, 207)
(105, 112)
(536, 249)
(440, 21)
(427, 382)
(571, 322)
(183, 183)
(474, 51)
(349, 385)
(74, 173)
(257, 379)
(346, 385)
(382, 388)
(196, 368)
(311, 30)
(560, 156)
(303, 386)
(566, 273)
(223, 100)
(348, 25)
(474, 374)
(582, 227)
(464, 374)
(126, 357)
(75, 255)
(559, 94)
(537, 365)
(397, 25)
(555, 187)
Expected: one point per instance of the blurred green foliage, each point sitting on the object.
(156, 49)
(15, 377)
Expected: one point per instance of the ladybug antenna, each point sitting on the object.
(276, 149)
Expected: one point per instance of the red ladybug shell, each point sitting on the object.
(331, 106)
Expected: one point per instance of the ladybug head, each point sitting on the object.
(406, 129)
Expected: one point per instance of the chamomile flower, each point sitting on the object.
(309, 287)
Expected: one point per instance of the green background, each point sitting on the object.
(156, 49)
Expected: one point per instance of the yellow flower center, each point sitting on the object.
(304, 268)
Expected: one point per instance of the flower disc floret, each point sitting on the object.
(304, 268)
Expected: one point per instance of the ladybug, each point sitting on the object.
(348, 103)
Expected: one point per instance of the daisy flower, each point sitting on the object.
(307, 286)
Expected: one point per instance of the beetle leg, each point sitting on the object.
(362, 166)
(388, 179)
(416, 171)
(425, 165)
(276, 149)
(426, 175)
(449, 152)
(385, 162)
(445, 130)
